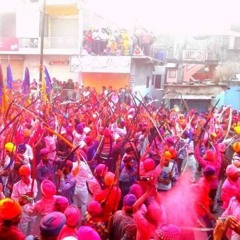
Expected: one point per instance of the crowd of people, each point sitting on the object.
(105, 41)
(112, 166)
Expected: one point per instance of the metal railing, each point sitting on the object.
(29, 43)
(49, 43)
(183, 54)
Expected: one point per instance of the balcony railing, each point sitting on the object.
(29, 43)
(158, 51)
(54, 45)
(49, 43)
(200, 55)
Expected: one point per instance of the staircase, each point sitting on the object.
(190, 69)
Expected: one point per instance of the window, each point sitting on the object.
(158, 80)
(147, 82)
(237, 43)
(152, 80)
(172, 73)
(8, 25)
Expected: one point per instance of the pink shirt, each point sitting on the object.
(50, 142)
(145, 230)
(44, 206)
(229, 190)
(216, 163)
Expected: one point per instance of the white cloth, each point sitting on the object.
(28, 155)
(3, 166)
(170, 169)
(80, 197)
(50, 143)
(78, 139)
(84, 174)
(26, 224)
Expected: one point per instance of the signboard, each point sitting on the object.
(9, 44)
(100, 64)
(59, 62)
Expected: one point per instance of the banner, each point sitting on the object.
(9, 44)
(100, 64)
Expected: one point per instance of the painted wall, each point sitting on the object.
(172, 75)
(56, 67)
(97, 80)
(231, 97)
(16, 66)
(141, 72)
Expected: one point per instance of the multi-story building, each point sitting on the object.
(53, 29)
(22, 29)
(193, 69)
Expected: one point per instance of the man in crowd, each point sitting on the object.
(10, 216)
(67, 181)
(24, 191)
(122, 225)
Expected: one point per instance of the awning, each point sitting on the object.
(187, 96)
(64, 9)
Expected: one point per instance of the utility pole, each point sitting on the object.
(42, 29)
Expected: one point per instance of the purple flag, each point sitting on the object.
(48, 81)
(9, 77)
(26, 82)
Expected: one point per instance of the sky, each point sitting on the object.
(176, 16)
(164, 16)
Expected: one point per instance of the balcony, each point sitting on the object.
(194, 55)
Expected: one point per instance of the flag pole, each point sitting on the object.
(42, 39)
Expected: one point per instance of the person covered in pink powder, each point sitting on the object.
(46, 204)
(61, 204)
(86, 232)
(202, 202)
(233, 211)
(212, 157)
(148, 219)
(110, 197)
(94, 219)
(73, 217)
(230, 186)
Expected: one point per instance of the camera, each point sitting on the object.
(145, 178)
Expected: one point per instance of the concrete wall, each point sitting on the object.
(196, 89)
(140, 71)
